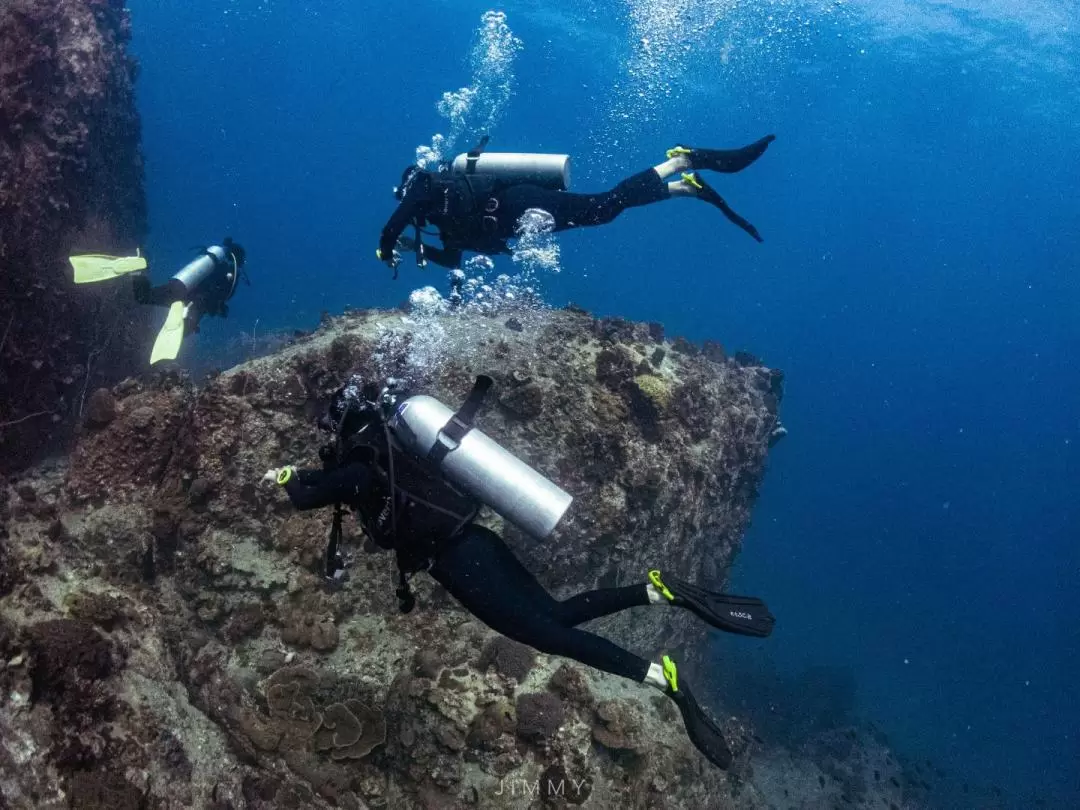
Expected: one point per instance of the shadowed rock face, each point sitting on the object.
(240, 675)
(70, 180)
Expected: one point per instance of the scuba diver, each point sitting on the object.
(417, 474)
(477, 200)
(201, 287)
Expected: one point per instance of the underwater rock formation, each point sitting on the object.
(70, 180)
(211, 666)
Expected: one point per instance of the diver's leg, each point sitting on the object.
(702, 730)
(729, 161)
(481, 572)
(571, 210)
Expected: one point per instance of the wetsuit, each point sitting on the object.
(473, 563)
(208, 298)
(478, 214)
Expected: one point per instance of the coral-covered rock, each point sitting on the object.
(72, 182)
(276, 686)
(539, 716)
(512, 659)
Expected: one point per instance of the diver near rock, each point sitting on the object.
(477, 200)
(201, 287)
(417, 474)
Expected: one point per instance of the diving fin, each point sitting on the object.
(742, 615)
(171, 336)
(93, 267)
(702, 730)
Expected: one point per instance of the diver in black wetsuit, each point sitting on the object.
(406, 505)
(479, 212)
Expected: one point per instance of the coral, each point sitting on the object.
(511, 658)
(100, 408)
(557, 787)
(67, 651)
(656, 390)
(349, 730)
(305, 630)
(427, 664)
(10, 571)
(496, 719)
(104, 790)
(616, 727)
(72, 181)
(525, 401)
(244, 621)
(539, 716)
(105, 610)
(166, 492)
(569, 683)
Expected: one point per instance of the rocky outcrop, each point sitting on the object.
(211, 665)
(70, 180)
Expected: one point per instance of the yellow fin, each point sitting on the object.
(93, 267)
(167, 345)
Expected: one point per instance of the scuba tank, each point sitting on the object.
(473, 461)
(229, 258)
(511, 168)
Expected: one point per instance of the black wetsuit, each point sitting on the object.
(474, 564)
(478, 214)
(207, 299)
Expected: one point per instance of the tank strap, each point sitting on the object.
(473, 155)
(461, 422)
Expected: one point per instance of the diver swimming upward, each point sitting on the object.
(477, 200)
(401, 463)
(201, 287)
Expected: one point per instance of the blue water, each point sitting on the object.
(918, 284)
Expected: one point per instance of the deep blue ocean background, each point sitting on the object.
(918, 531)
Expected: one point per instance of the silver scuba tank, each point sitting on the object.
(549, 171)
(481, 467)
(195, 272)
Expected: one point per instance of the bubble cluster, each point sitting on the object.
(536, 250)
(477, 107)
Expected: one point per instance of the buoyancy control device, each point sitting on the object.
(446, 442)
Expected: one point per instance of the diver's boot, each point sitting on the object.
(703, 191)
(743, 615)
(703, 732)
(728, 161)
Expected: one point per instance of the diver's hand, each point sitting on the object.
(393, 260)
(279, 475)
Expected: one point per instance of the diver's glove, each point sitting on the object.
(280, 475)
(393, 260)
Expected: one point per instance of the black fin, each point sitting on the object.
(742, 615)
(703, 732)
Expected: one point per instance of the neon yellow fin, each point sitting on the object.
(167, 345)
(93, 267)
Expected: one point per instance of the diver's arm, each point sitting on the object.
(313, 489)
(413, 205)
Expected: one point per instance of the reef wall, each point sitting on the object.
(70, 180)
(165, 641)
